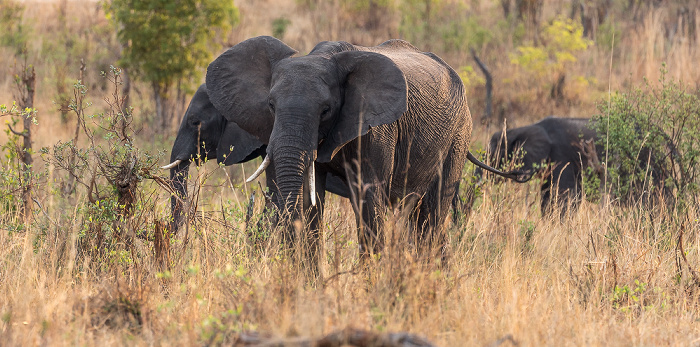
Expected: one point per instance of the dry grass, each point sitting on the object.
(602, 276)
(608, 276)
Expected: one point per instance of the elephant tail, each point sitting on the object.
(516, 175)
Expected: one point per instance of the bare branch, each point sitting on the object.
(16, 132)
(489, 87)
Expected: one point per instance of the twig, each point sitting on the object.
(23, 134)
(693, 273)
(340, 273)
(46, 214)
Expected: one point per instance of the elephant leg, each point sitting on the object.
(270, 215)
(546, 198)
(564, 181)
(370, 190)
(313, 232)
(436, 203)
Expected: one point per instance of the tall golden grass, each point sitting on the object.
(601, 276)
(604, 275)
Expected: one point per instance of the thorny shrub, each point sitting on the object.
(110, 168)
(12, 174)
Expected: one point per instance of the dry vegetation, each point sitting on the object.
(601, 276)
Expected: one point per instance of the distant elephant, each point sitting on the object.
(562, 142)
(391, 120)
(205, 134)
(551, 140)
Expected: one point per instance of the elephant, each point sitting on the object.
(201, 137)
(570, 145)
(391, 120)
(551, 140)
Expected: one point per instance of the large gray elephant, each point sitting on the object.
(205, 134)
(391, 120)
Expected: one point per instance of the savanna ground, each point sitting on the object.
(78, 272)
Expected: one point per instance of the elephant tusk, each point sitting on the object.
(312, 183)
(171, 165)
(263, 166)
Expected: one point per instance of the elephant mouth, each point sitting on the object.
(310, 175)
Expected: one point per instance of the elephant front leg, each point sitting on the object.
(370, 201)
(313, 233)
(370, 233)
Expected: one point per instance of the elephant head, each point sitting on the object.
(205, 134)
(316, 104)
(529, 146)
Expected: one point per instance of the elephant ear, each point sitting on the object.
(236, 145)
(239, 83)
(535, 142)
(375, 93)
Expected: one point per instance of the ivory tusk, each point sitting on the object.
(263, 166)
(171, 165)
(312, 183)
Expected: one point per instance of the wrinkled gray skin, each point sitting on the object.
(551, 140)
(203, 124)
(400, 113)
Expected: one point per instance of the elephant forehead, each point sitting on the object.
(304, 70)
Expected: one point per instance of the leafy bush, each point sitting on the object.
(651, 135)
(562, 39)
(13, 174)
(550, 61)
(110, 167)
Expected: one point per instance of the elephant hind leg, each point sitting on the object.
(435, 205)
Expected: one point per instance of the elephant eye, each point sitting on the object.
(272, 106)
(325, 111)
(196, 123)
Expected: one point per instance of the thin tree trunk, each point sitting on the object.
(70, 185)
(28, 77)
(160, 107)
(126, 89)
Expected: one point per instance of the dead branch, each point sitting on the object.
(681, 251)
(588, 150)
(18, 133)
(489, 88)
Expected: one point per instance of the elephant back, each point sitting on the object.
(329, 48)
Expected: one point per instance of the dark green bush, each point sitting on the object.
(651, 140)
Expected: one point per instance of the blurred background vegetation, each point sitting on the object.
(547, 57)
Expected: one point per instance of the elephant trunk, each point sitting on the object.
(291, 166)
(178, 179)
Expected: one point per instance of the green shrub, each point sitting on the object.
(13, 175)
(111, 169)
(651, 134)
(562, 40)
(279, 27)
